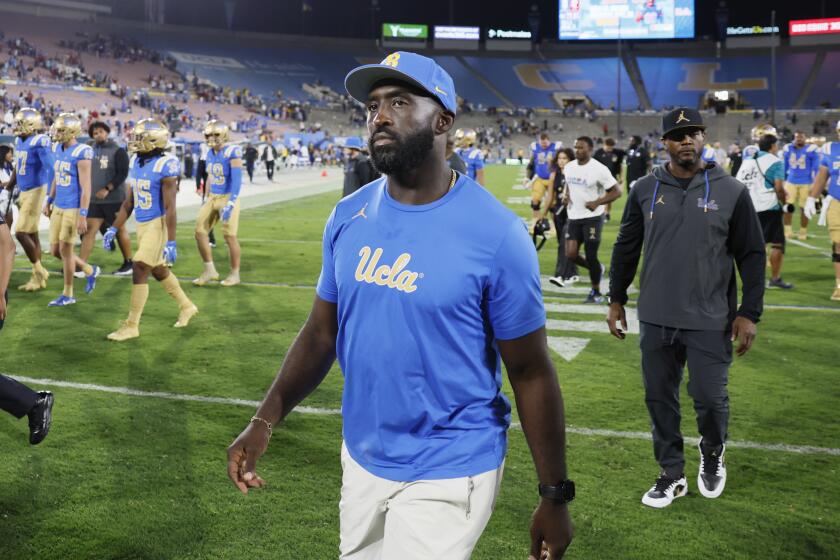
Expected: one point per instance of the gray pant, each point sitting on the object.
(665, 351)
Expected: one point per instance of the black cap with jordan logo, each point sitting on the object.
(682, 117)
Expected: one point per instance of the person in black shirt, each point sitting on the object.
(694, 222)
(565, 271)
(16, 398)
(612, 158)
(358, 170)
(638, 161)
(250, 156)
(454, 160)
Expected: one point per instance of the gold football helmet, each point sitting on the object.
(67, 127)
(27, 121)
(148, 135)
(464, 137)
(762, 130)
(216, 133)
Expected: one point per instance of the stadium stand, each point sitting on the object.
(683, 81)
(262, 84)
(531, 83)
(826, 88)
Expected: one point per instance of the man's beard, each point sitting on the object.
(402, 155)
(688, 163)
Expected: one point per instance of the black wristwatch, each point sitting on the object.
(562, 493)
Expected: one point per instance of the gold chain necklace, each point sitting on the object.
(452, 180)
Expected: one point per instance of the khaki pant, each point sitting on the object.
(151, 241)
(64, 225)
(797, 194)
(441, 519)
(31, 204)
(833, 220)
(210, 214)
(538, 189)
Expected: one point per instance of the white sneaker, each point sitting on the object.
(79, 274)
(711, 478)
(557, 281)
(665, 491)
(572, 279)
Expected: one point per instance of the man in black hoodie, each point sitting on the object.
(694, 221)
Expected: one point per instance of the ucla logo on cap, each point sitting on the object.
(392, 60)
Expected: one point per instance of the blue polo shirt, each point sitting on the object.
(423, 294)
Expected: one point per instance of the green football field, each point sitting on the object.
(141, 473)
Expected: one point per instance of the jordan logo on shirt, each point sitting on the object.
(360, 213)
(395, 276)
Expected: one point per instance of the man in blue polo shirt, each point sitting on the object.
(421, 306)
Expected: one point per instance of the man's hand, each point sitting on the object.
(48, 209)
(227, 211)
(810, 207)
(102, 193)
(170, 252)
(592, 205)
(81, 225)
(743, 330)
(243, 454)
(108, 238)
(551, 531)
(615, 313)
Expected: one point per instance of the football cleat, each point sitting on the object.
(31, 285)
(79, 274)
(125, 332)
(231, 280)
(836, 295)
(62, 301)
(41, 278)
(557, 281)
(665, 491)
(184, 316)
(91, 280)
(205, 278)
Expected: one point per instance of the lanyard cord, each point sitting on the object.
(705, 199)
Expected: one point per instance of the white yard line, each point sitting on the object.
(809, 246)
(592, 432)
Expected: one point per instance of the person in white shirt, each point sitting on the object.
(590, 187)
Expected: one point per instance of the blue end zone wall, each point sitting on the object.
(466, 86)
(827, 84)
(530, 83)
(682, 81)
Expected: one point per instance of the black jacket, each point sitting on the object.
(688, 276)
